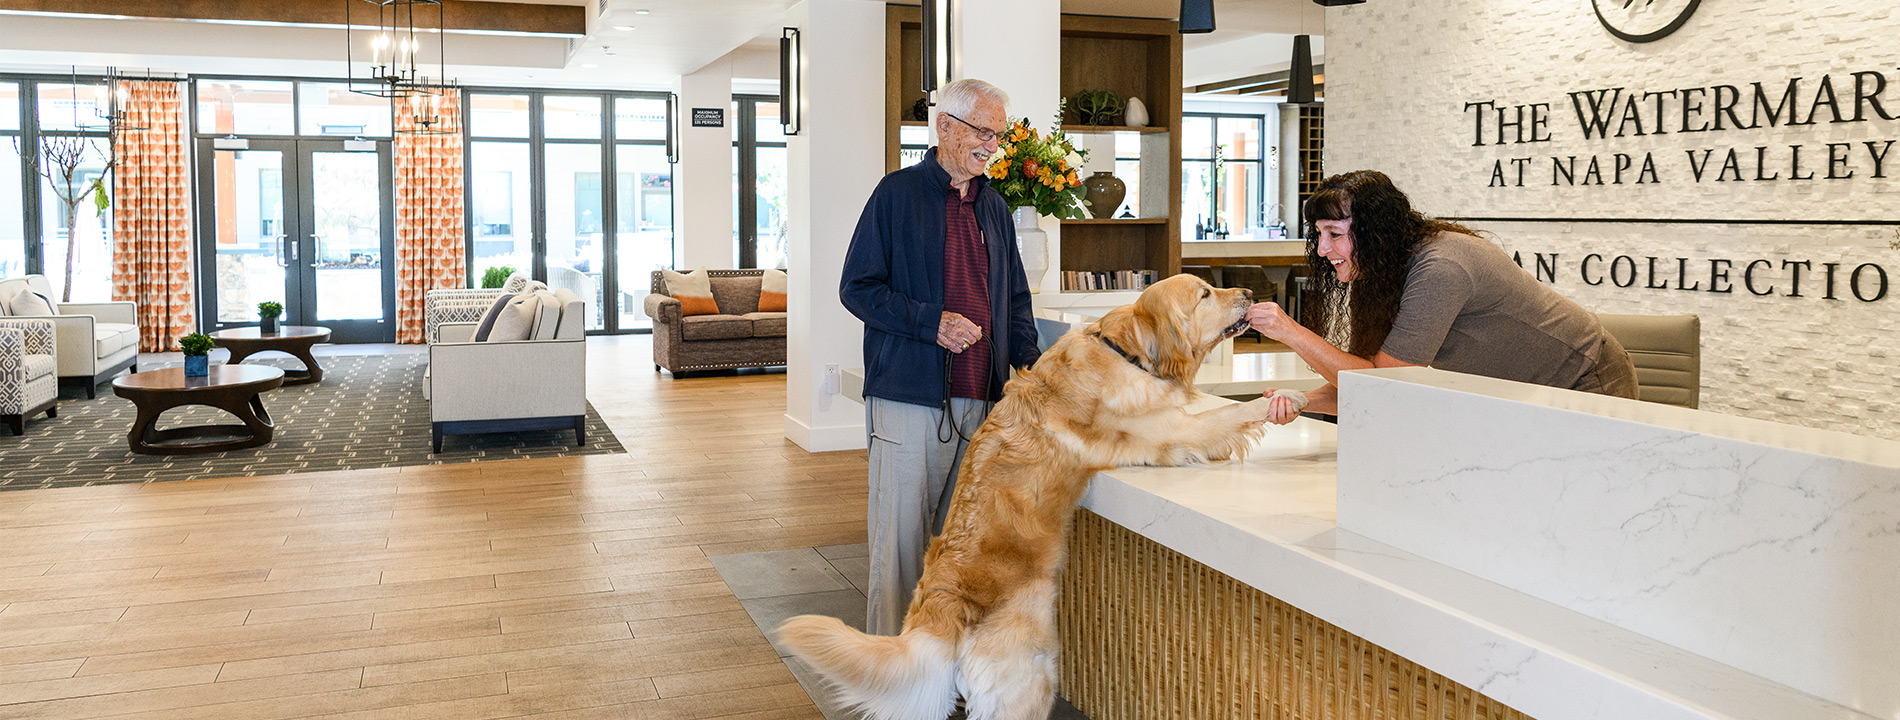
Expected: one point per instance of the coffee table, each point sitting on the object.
(231, 388)
(292, 340)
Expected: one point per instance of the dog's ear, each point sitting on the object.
(1165, 314)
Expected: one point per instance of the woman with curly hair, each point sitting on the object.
(1399, 288)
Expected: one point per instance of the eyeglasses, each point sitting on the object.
(982, 134)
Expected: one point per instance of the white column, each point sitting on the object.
(1016, 45)
(835, 162)
(702, 186)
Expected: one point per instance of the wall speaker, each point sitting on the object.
(1197, 16)
(1337, 3)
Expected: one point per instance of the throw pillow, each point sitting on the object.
(515, 284)
(547, 316)
(27, 303)
(516, 321)
(488, 318)
(772, 291)
(693, 290)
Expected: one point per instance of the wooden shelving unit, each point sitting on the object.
(1312, 143)
(1135, 57)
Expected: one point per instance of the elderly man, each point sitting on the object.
(934, 274)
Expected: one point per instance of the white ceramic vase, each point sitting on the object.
(1033, 244)
(1137, 113)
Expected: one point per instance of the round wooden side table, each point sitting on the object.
(292, 340)
(232, 388)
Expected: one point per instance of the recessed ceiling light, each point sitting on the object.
(624, 28)
(589, 66)
(642, 12)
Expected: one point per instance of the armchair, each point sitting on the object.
(29, 384)
(537, 384)
(96, 340)
(464, 305)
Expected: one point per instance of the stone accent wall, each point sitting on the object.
(1400, 73)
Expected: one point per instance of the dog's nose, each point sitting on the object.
(1244, 292)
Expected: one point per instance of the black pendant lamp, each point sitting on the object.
(1300, 77)
(1197, 16)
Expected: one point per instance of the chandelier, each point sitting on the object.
(389, 58)
(427, 111)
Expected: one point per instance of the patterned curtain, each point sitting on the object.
(429, 243)
(151, 195)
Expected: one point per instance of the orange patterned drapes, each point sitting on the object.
(429, 243)
(151, 198)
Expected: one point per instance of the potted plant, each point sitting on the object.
(267, 313)
(197, 349)
(497, 276)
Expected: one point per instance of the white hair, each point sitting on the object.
(959, 98)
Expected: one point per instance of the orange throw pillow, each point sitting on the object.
(772, 291)
(693, 290)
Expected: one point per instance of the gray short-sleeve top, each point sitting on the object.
(1467, 307)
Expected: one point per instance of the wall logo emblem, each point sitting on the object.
(1641, 21)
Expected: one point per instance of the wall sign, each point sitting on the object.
(709, 117)
(1641, 21)
(1761, 277)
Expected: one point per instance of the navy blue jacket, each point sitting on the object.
(893, 281)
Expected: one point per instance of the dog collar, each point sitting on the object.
(1132, 360)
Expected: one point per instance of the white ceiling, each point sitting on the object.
(675, 37)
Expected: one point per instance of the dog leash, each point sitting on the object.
(949, 417)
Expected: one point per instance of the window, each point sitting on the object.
(759, 170)
(576, 198)
(1223, 186)
(55, 117)
(248, 107)
(13, 184)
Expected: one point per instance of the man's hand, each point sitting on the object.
(956, 333)
(1270, 320)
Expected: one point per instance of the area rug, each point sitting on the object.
(367, 413)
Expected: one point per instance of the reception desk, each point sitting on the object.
(1464, 547)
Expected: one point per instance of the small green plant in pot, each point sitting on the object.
(267, 313)
(197, 349)
(497, 276)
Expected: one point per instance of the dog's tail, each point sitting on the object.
(912, 676)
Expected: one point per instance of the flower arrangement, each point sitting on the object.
(1031, 170)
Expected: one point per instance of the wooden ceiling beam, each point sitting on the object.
(457, 15)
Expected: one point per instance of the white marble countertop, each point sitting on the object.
(1269, 521)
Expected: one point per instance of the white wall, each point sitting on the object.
(1016, 45)
(1400, 73)
(835, 162)
(702, 190)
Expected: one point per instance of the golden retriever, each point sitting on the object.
(982, 621)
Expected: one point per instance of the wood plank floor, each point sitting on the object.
(574, 588)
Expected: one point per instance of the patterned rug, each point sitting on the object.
(367, 413)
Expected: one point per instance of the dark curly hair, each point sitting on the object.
(1357, 315)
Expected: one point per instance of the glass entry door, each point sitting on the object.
(305, 223)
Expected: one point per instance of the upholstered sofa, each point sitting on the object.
(96, 340)
(29, 380)
(738, 336)
(484, 386)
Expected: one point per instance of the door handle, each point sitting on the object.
(281, 252)
(316, 242)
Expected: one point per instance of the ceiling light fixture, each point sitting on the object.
(426, 106)
(393, 46)
(589, 66)
(624, 28)
(1197, 16)
(642, 12)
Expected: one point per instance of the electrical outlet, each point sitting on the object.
(832, 379)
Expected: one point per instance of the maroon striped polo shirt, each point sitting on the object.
(966, 292)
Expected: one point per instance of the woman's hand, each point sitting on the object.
(1271, 321)
(1280, 409)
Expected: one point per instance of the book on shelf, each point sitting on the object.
(1105, 280)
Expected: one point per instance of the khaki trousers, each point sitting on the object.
(913, 475)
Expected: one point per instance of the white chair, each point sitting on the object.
(29, 380)
(96, 340)
(537, 384)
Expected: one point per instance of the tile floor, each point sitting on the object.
(778, 584)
